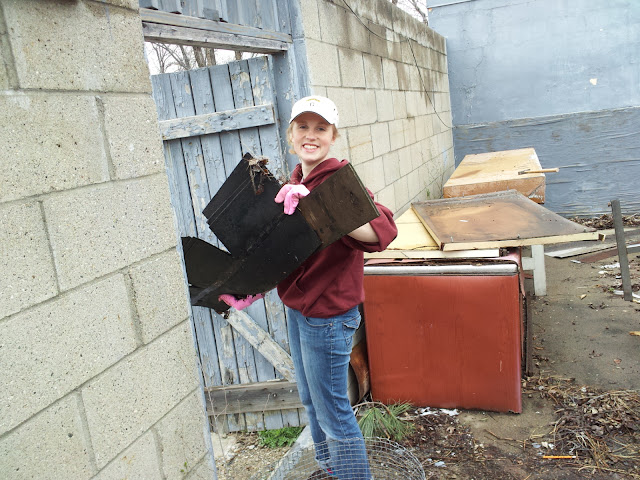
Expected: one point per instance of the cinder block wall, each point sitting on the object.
(401, 146)
(97, 365)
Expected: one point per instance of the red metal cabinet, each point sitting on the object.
(445, 336)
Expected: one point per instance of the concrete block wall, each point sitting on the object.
(398, 136)
(97, 360)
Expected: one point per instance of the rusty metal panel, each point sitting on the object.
(445, 340)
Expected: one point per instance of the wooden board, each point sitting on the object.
(495, 172)
(414, 241)
(503, 219)
(257, 397)
(338, 206)
(258, 234)
(412, 234)
(432, 254)
(216, 122)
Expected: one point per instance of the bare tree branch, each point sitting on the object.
(416, 8)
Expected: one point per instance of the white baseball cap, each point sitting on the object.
(316, 104)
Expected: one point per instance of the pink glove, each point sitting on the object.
(240, 303)
(291, 195)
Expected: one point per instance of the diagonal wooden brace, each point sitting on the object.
(262, 342)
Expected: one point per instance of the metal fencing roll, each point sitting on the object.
(384, 460)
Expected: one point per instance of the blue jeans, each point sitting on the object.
(320, 349)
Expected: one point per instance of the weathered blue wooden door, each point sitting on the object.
(209, 118)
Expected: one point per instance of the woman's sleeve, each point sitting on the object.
(383, 225)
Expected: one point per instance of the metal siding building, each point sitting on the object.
(562, 77)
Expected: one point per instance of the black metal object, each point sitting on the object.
(265, 245)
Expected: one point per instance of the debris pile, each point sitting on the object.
(605, 221)
(600, 429)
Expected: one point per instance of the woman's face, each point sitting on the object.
(311, 138)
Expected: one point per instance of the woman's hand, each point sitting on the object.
(240, 303)
(291, 195)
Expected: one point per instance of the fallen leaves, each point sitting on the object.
(593, 424)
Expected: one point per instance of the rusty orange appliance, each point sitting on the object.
(446, 335)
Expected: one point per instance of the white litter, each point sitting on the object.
(427, 411)
(620, 292)
(439, 464)
(451, 413)
(611, 266)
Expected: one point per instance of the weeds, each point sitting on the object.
(282, 437)
(379, 420)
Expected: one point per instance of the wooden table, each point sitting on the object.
(495, 172)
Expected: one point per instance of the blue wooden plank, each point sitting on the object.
(178, 182)
(215, 31)
(247, 13)
(244, 86)
(243, 97)
(171, 6)
(211, 148)
(181, 199)
(207, 349)
(265, 15)
(233, 13)
(223, 332)
(246, 357)
(192, 8)
(205, 164)
(221, 7)
(277, 321)
(289, 87)
(263, 94)
(282, 20)
(201, 9)
(193, 158)
(217, 122)
(234, 358)
(223, 100)
(153, 4)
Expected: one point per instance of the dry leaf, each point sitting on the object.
(617, 361)
(637, 334)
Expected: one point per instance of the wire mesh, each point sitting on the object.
(385, 460)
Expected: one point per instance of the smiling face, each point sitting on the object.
(311, 138)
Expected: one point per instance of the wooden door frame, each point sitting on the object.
(287, 51)
(287, 57)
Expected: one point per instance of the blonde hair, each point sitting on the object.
(336, 134)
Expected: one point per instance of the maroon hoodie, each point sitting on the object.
(330, 281)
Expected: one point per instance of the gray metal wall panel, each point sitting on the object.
(561, 77)
(598, 154)
(510, 59)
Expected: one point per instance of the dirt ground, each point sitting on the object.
(582, 399)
